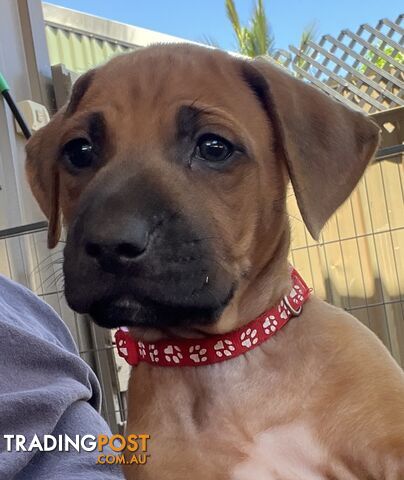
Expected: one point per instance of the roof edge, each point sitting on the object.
(122, 33)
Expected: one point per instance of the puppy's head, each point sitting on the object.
(169, 167)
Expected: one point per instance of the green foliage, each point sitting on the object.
(308, 35)
(379, 61)
(256, 38)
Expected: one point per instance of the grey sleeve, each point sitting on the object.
(45, 389)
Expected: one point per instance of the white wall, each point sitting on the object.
(17, 206)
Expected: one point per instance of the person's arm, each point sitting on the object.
(45, 389)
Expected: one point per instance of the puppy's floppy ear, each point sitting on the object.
(326, 145)
(43, 177)
(42, 171)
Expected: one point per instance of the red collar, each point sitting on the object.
(184, 352)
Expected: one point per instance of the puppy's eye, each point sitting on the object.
(213, 148)
(78, 153)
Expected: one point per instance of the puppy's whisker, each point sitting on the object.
(52, 264)
(39, 264)
(57, 280)
(45, 270)
(45, 283)
(61, 293)
(55, 283)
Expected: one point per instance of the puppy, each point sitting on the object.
(169, 167)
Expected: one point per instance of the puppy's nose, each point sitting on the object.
(113, 247)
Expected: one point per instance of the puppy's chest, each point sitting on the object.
(207, 440)
(289, 452)
(215, 434)
(226, 451)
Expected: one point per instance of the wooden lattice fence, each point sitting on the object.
(363, 69)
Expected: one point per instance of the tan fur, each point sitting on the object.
(323, 399)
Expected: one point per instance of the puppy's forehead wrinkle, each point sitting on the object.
(93, 121)
(79, 89)
(156, 80)
(189, 118)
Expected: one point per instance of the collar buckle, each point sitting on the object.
(295, 311)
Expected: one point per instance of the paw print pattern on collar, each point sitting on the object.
(205, 351)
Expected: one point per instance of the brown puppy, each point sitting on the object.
(170, 167)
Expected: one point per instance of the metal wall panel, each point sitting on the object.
(79, 52)
(80, 41)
